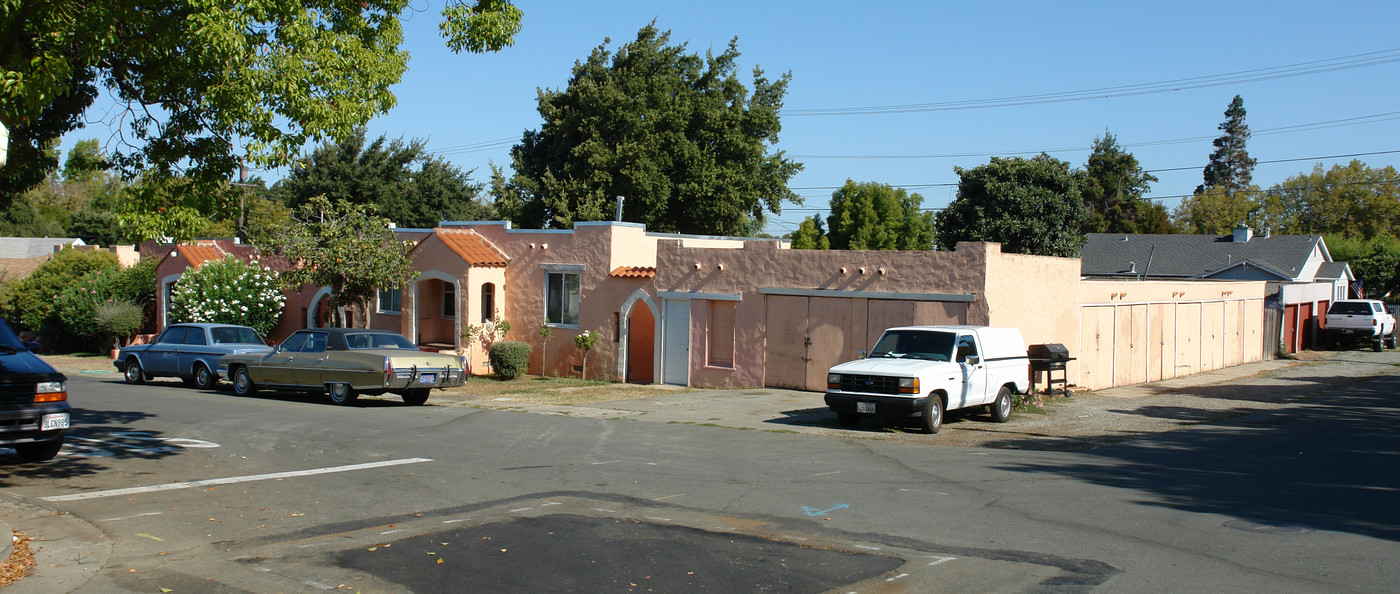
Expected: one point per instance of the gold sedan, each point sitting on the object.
(344, 363)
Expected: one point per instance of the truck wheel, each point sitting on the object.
(847, 419)
(1380, 344)
(39, 451)
(932, 418)
(1001, 407)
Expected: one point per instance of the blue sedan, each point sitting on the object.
(190, 352)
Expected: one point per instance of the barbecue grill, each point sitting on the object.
(1050, 358)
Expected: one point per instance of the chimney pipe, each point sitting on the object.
(619, 209)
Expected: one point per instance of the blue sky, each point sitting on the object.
(472, 108)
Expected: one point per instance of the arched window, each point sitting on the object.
(488, 301)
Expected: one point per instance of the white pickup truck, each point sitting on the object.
(919, 372)
(1367, 320)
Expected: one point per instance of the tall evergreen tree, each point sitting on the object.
(1230, 167)
(1114, 186)
(677, 134)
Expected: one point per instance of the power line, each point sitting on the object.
(1353, 121)
(1364, 60)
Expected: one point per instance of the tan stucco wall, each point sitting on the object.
(1037, 294)
(1137, 331)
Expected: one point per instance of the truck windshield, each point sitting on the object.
(915, 344)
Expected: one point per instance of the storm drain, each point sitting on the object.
(571, 553)
(1267, 528)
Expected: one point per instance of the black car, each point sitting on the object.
(34, 409)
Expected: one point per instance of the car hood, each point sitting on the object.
(23, 367)
(888, 366)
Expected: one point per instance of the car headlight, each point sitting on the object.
(833, 381)
(908, 385)
(51, 392)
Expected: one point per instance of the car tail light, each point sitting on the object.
(388, 370)
(51, 392)
(466, 368)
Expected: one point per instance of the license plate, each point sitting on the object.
(865, 407)
(427, 378)
(53, 421)
(1351, 331)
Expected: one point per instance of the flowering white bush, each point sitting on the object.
(229, 291)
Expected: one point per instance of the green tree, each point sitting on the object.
(345, 247)
(810, 235)
(872, 216)
(405, 183)
(1216, 210)
(1114, 186)
(1030, 206)
(677, 135)
(205, 82)
(1375, 261)
(1351, 200)
(1230, 165)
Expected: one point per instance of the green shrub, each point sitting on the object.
(119, 319)
(509, 358)
(31, 302)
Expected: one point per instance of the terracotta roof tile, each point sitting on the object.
(199, 254)
(634, 272)
(473, 248)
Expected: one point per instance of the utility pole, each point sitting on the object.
(242, 196)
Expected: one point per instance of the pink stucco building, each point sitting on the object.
(739, 312)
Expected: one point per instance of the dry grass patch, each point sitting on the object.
(533, 389)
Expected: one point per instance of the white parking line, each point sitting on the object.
(232, 480)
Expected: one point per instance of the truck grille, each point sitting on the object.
(874, 384)
(11, 393)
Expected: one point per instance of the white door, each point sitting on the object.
(675, 342)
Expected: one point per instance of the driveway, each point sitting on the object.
(1082, 421)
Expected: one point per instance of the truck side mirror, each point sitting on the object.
(862, 353)
(972, 359)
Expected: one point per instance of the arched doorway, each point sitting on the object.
(639, 329)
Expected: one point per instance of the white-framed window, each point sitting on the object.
(562, 296)
(391, 300)
(449, 299)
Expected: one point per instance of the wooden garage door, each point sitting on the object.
(832, 332)
(808, 335)
(1096, 347)
(786, 365)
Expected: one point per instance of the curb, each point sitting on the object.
(68, 551)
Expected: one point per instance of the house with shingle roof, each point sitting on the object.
(1302, 278)
(19, 256)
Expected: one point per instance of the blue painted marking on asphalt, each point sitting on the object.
(812, 511)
